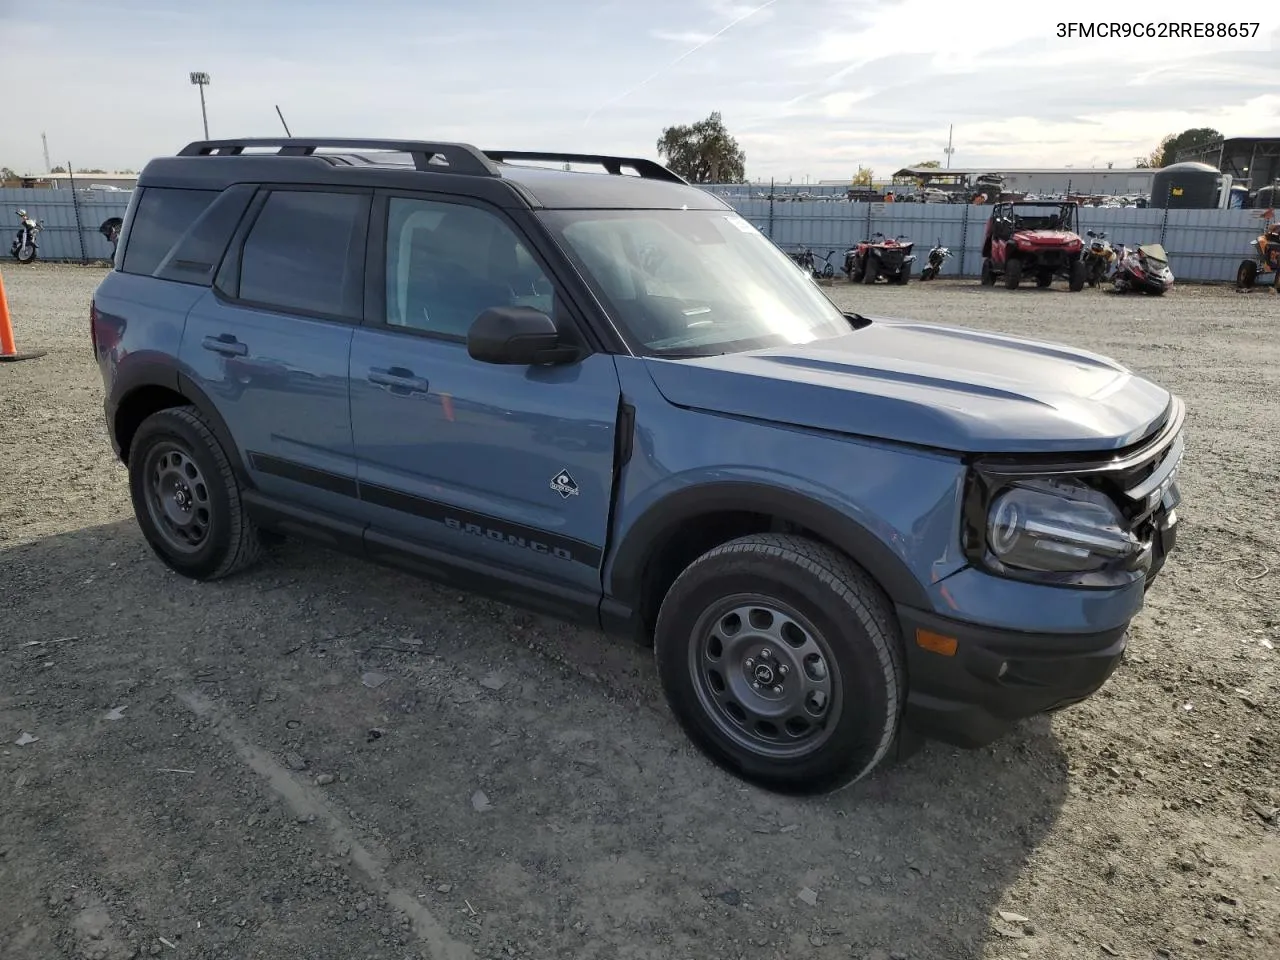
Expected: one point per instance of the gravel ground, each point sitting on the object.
(325, 759)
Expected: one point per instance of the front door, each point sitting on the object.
(510, 467)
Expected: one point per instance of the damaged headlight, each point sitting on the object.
(1059, 526)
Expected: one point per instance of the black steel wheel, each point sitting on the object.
(782, 662)
(186, 497)
(177, 497)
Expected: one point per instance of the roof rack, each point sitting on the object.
(648, 169)
(457, 157)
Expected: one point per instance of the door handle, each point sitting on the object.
(398, 378)
(225, 343)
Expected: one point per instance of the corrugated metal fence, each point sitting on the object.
(71, 221)
(1203, 245)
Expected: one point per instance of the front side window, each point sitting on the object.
(694, 282)
(298, 255)
(447, 263)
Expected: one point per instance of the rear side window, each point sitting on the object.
(305, 253)
(196, 255)
(164, 214)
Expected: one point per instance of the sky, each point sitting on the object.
(811, 90)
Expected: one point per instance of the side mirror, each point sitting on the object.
(521, 336)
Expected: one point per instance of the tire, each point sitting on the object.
(1247, 275)
(988, 278)
(870, 272)
(928, 273)
(1044, 279)
(186, 497)
(904, 276)
(1076, 276)
(812, 596)
(1012, 274)
(25, 254)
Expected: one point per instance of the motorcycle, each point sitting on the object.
(24, 243)
(1099, 256)
(933, 263)
(1143, 268)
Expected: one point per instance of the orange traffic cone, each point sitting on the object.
(9, 349)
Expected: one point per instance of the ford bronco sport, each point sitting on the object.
(606, 396)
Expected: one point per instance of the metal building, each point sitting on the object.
(1255, 160)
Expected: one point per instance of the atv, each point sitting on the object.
(1035, 238)
(879, 257)
(1265, 261)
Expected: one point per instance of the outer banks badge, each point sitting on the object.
(563, 484)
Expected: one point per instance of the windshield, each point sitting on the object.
(1047, 217)
(694, 282)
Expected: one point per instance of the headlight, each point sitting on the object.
(1059, 527)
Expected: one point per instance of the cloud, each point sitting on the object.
(807, 90)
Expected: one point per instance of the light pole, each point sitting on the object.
(950, 149)
(201, 80)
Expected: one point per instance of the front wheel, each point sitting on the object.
(1076, 277)
(1012, 274)
(1247, 275)
(782, 662)
(25, 254)
(186, 497)
(988, 278)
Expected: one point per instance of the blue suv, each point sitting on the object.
(605, 396)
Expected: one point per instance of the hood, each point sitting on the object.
(951, 389)
(1047, 237)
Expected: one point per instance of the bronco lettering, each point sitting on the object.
(510, 539)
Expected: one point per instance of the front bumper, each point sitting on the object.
(998, 677)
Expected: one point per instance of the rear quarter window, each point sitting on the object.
(164, 214)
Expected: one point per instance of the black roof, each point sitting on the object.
(502, 177)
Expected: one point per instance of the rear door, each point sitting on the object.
(269, 343)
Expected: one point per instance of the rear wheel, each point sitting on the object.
(928, 273)
(1044, 278)
(186, 497)
(782, 662)
(870, 271)
(1077, 274)
(1012, 274)
(1247, 275)
(904, 275)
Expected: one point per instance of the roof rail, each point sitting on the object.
(648, 169)
(459, 157)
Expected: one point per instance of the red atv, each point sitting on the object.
(869, 260)
(1033, 238)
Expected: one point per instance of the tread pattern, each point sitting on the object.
(244, 546)
(853, 586)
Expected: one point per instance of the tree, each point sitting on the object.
(90, 170)
(863, 177)
(8, 173)
(1167, 152)
(927, 165)
(58, 170)
(703, 152)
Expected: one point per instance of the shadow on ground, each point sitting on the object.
(521, 779)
